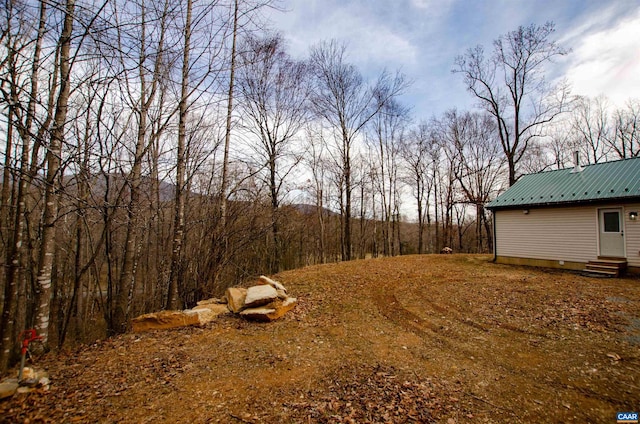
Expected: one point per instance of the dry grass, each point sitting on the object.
(409, 339)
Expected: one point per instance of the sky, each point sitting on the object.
(421, 38)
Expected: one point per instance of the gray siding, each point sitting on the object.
(568, 234)
(632, 235)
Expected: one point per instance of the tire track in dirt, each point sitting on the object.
(392, 309)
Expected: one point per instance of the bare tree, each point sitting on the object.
(474, 152)
(364, 183)
(446, 186)
(273, 92)
(445, 198)
(626, 140)
(50, 214)
(558, 145)
(417, 151)
(22, 117)
(221, 231)
(241, 13)
(175, 277)
(315, 161)
(591, 128)
(510, 86)
(387, 128)
(346, 103)
(141, 83)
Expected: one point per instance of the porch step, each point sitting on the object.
(596, 273)
(606, 267)
(622, 262)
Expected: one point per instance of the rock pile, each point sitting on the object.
(32, 379)
(266, 301)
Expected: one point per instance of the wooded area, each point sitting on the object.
(156, 153)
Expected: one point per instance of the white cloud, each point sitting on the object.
(371, 44)
(422, 37)
(433, 6)
(607, 60)
(422, 4)
(372, 40)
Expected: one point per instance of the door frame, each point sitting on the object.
(599, 214)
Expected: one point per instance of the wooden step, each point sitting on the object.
(622, 262)
(617, 264)
(606, 266)
(600, 273)
(602, 267)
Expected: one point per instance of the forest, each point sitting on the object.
(155, 153)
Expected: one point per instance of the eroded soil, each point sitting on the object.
(449, 339)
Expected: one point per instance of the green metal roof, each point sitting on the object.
(618, 180)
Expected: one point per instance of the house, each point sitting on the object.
(585, 217)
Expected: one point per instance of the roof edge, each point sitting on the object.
(627, 199)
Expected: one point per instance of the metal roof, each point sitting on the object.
(618, 180)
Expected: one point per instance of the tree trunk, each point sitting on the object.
(321, 224)
(363, 243)
(512, 169)
(124, 285)
(478, 228)
(346, 252)
(12, 262)
(50, 214)
(436, 245)
(125, 281)
(488, 230)
(12, 265)
(176, 275)
(275, 231)
(420, 220)
(7, 180)
(227, 136)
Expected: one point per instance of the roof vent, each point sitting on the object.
(576, 160)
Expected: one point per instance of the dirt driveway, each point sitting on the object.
(448, 339)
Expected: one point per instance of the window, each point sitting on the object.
(611, 222)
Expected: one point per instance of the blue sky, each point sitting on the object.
(422, 38)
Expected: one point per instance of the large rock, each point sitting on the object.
(260, 296)
(204, 316)
(208, 312)
(273, 283)
(282, 307)
(8, 389)
(258, 314)
(235, 298)
(216, 308)
(163, 320)
(213, 300)
(270, 312)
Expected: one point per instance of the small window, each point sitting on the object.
(611, 222)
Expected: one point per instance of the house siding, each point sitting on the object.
(632, 235)
(567, 234)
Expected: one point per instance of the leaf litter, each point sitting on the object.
(432, 338)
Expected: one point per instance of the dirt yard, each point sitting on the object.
(451, 338)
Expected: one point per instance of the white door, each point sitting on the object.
(611, 233)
